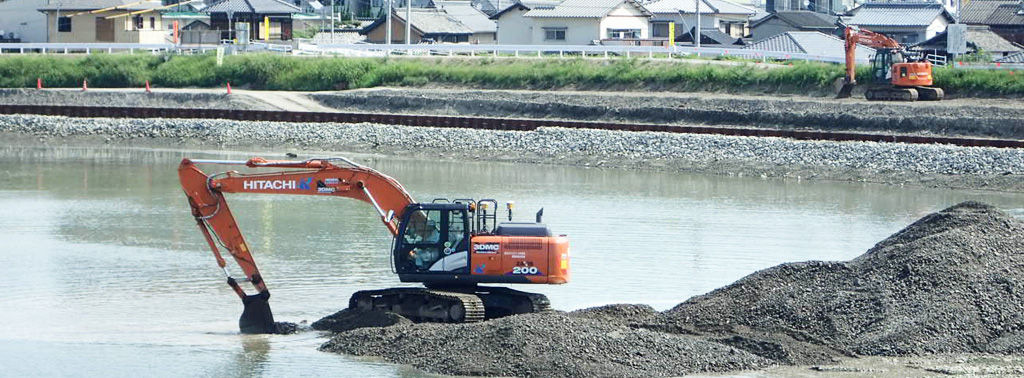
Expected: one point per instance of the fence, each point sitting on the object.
(468, 50)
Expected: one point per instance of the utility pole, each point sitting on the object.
(696, 36)
(408, 22)
(388, 24)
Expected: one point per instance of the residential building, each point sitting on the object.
(584, 22)
(21, 21)
(226, 14)
(117, 21)
(492, 7)
(513, 27)
(730, 18)
(1014, 58)
(484, 29)
(978, 38)
(709, 37)
(428, 24)
(786, 21)
(1004, 17)
(906, 22)
(814, 43)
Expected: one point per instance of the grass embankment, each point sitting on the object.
(278, 72)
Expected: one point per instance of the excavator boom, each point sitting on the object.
(322, 177)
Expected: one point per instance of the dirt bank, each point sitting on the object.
(993, 118)
(162, 98)
(949, 283)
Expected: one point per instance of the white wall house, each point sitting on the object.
(905, 22)
(513, 27)
(21, 19)
(574, 22)
(723, 15)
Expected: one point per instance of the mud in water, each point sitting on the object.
(949, 283)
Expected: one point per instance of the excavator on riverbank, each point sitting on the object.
(901, 78)
(449, 246)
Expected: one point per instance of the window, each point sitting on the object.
(659, 29)
(554, 34)
(152, 23)
(64, 24)
(138, 23)
(624, 33)
(423, 235)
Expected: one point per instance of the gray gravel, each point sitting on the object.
(1003, 118)
(546, 345)
(950, 283)
(601, 148)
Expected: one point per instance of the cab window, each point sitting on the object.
(424, 227)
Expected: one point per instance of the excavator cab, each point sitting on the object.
(433, 238)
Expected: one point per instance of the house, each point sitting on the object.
(92, 21)
(830, 7)
(427, 24)
(906, 22)
(1014, 58)
(484, 29)
(978, 39)
(226, 14)
(21, 21)
(1004, 17)
(513, 27)
(814, 43)
(492, 7)
(584, 22)
(786, 21)
(709, 37)
(726, 16)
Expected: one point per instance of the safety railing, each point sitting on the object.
(86, 48)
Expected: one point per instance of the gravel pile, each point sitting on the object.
(952, 282)
(546, 345)
(160, 99)
(1005, 121)
(349, 319)
(597, 147)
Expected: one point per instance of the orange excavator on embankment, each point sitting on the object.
(449, 246)
(908, 80)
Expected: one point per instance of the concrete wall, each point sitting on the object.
(514, 29)
(22, 18)
(579, 31)
(626, 16)
(83, 28)
(482, 38)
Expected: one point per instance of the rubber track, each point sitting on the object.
(472, 304)
(488, 123)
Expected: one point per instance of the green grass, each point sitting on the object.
(266, 71)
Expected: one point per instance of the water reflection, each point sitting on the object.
(99, 249)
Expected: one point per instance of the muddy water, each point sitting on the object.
(102, 270)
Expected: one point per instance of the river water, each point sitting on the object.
(103, 271)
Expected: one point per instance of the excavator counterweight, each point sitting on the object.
(450, 247)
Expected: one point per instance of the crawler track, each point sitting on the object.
(488, 123)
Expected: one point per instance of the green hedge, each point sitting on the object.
(265, 71)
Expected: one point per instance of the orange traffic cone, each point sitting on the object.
(229, 87)
(148, 90)
(85, 85)
(39, 83)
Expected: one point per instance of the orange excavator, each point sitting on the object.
(909, 80)
(449, 246)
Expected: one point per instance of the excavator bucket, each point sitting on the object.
(846, 91)
(256, 317)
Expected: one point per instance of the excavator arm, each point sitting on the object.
(855, 36)
(336, 177)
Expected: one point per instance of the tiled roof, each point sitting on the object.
(992, 12)
(897, 14)
(527, 5)
(978, 36)
(815, 43)
(100, 4)
(426, 21)
(1012, 58)
(252, 6)
(709, 36)
(582, 9)
(467, 15)
(801, 19)
(706, 7)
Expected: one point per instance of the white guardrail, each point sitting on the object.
(471, 50)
